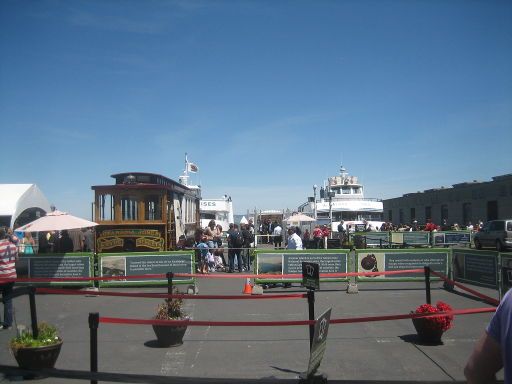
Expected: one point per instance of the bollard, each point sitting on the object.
(170, 276)
(33, 311)
(427, 284)
(94, 321)
(380, 243)
(311, 306)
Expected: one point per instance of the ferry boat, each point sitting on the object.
(220, 210)
(342, 198)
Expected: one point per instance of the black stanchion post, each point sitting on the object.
(94, 321)
(427, 283)
(170, 276)
(33, 311)
(311, 305)
(380, 243)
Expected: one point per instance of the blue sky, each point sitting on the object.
(267, 97)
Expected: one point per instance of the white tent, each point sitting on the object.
(17, 198)
(243, 220)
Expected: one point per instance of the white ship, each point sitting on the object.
(342, 198)
(220, 210)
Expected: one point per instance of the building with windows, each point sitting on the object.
(462, 203)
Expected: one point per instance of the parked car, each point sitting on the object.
(495, 233)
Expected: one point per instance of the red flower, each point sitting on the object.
(443, 322)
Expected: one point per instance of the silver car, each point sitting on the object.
(495, 233)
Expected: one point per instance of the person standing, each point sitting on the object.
(317, 236)
(277, 236)
(493, 350)
(8, 257)
(341, 232)
(294, 241)
(247, 237)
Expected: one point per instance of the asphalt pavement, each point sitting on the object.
(370, 352)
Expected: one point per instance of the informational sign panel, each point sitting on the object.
(476, 267)
(454, 237)
(399, 260)
(416, 239)
(281, 263)
(136, 264)
(319, 342)
(375, 239)
(311, 275)
(56, 266)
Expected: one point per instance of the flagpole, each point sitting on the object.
(186, 164)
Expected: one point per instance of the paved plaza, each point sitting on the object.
(378, 352)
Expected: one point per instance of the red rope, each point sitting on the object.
(116, 320)
(477, 294)
(165, 295)
(193, 275)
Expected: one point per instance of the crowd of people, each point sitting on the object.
(78, 240)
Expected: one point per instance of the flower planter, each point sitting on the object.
(37, 357)
(168, 335)
(427, 333)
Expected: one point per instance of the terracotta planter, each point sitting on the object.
(169, 336)
(426, 333)
(37, 357)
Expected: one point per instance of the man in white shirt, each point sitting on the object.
(277, 235)
(294, 241)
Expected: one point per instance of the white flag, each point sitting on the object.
(192, 168)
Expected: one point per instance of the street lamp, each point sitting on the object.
(314, 199)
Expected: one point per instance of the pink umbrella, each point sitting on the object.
(56, 221)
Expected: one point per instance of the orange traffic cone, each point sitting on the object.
(247, 287)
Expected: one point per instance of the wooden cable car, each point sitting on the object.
(144, 212)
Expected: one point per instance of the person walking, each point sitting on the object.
(8, 257)
(294, 241)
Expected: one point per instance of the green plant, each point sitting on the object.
(47, 335)
(171, 308)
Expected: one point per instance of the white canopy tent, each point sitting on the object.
(15, 199)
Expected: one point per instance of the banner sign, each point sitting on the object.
(319, 342)
(418, 238)
(290, 262)
(55, 266)
(397, 260)
(133, 264)
(476, 267)
(310, 275)
(115, 239)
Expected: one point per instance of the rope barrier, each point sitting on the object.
(176, 296)
(473, 292)
(214, 276)
(117, 320)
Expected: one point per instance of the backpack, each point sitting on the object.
(237, 240)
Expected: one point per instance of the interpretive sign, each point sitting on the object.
(311, 275)
(476, 267)
(139, 264)
(410, 238)
(399, 260)
(55, 266)
(377, 239)
(319, 342)
(455, 237)
(281, 263)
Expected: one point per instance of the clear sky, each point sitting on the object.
(267, 97)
